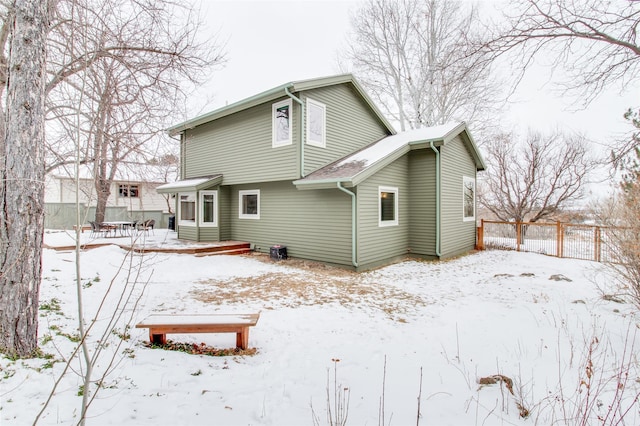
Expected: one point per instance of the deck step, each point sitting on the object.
(243, 250)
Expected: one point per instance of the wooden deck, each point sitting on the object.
(203, 249)
(206, 249)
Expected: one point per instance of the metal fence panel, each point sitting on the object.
(577, 241)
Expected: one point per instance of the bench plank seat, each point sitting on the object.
(161, 325)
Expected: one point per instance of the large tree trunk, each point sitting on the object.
(22, 180)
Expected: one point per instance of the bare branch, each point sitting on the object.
(534, 179)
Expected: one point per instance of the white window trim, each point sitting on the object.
(186, 222)
(466, 179)
(275, 143)
(248, 192)
(323, 142)
(202, 223)
(394, 190)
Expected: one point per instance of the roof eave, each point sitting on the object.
(460, 129)
(475, 152)
(241, 105)
(213, 181)
(277, 92)
(301, 184)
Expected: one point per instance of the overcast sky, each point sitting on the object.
(270, 43)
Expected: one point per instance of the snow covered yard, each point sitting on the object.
(415, 329)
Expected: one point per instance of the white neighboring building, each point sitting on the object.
(133, 187)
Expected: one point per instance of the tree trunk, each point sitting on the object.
(103, 193)
(22, 180)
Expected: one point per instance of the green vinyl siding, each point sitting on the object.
(422, 220)
(187, 232)
(209, 233)
(458, 236)
(312, 224)
(225, 211)
(350, 125)
(195, 233)
(377, 244)
(240, 147)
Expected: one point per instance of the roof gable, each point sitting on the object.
(278, 92)
(356, 167)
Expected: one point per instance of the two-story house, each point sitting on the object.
(313, 165)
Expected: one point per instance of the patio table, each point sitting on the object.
(122, 226)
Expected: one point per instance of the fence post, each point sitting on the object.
(480, 243)
(597, 244)
(518, 235)
(559, 239)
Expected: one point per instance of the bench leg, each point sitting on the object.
(158, 339)
(242, 338)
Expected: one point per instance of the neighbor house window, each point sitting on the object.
(187, 209)
(128, 191)
(249, 207)
(281, 112)
(388, 206)
(208, 208)
(468, 198)
(316, 123)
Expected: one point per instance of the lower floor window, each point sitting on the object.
(249, 204)
(187, 209)
(388, 206)
(208, 207)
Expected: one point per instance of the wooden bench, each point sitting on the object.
(161, 325)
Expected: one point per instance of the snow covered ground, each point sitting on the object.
(412, 333)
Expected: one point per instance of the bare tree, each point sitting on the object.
(622, 214)
(534, 179)
(595, 42)
(22, 177)
(136, 77)
(154, 43)
(410, 55)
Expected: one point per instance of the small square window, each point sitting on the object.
(249, 204)
(388, 206)
(281, 123)
(468, 198)
(128, 191)
(316, 123)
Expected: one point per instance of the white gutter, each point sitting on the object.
(354, 246)
(438, 195)
(299, 101)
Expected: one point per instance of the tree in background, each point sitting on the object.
(121, 67)
(22, 175)
(595, 42)
(139, 57)
(534, 179)
(621, 215)
(409, 54)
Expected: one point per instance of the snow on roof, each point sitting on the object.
(186, 183)
(359, 161)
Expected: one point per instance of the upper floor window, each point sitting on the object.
(249, 204)
(128, 191)
(187, 209)
(468, 198)
(388, 206)
(316, 123)
(208, 208)
(281, 124)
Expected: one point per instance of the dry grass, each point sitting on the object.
(309, 283)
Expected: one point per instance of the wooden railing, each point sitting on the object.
(577, 241)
